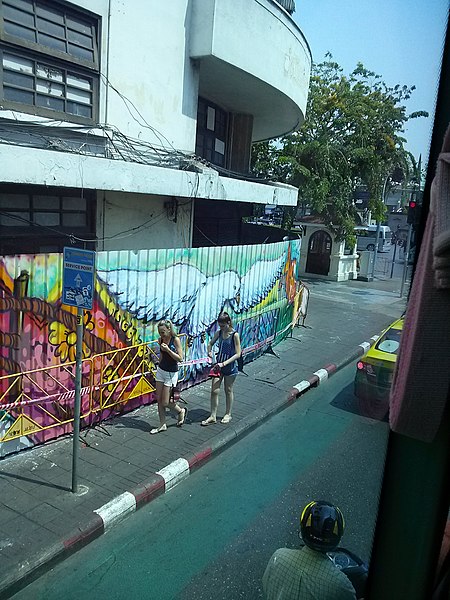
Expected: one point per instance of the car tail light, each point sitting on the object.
(367, 367)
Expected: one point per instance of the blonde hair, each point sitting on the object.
(170, 326)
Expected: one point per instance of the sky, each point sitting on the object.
(401, 40)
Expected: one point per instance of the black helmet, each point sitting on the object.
(321, 526)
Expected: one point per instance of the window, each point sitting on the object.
(49, 59)
(39, 219)
(212, 132)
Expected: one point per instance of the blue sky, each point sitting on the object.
(401, 40)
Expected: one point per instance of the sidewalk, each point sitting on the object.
(122, 467)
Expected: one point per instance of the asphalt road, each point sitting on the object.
(212, 535)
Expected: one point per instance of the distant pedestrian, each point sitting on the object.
(166, 376)
(227, 357)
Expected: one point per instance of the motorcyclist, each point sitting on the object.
(308, 573)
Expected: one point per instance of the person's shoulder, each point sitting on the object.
(285, 555)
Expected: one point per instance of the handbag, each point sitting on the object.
(215, 371)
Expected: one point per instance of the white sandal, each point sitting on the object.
(158, 429)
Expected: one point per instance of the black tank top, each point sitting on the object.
(166, 362)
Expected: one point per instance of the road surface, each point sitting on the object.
(212, 535)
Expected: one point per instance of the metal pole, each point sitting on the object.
(377, 236)
(77, 404)
(377, 241)
(405, 266)
(393, 258)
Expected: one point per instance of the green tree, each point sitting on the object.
(351, 137)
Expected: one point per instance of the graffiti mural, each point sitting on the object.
(257, 285)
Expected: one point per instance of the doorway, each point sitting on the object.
(319, 252)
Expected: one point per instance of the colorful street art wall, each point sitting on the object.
(133, 291)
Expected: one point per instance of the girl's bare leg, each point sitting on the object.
(215, 389)
(229, 397)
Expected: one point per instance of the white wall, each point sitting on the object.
(268, 57)
(144, 55)
(61, 169)
(149, 83)
(135, 221)
(148, 62)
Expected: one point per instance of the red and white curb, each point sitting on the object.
(320, 376)
(366, 345)
(115, 511)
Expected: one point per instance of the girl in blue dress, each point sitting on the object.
(227, 356)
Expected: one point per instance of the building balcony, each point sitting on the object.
(253, 59)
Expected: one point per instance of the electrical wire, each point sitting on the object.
(145, 124)
(120, 235)
(204, 235)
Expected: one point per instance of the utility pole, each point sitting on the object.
(377, 235)
(405, 266)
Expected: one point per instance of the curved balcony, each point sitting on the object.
(253, 59)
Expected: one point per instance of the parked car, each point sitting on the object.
(375, 371)
(366, 237)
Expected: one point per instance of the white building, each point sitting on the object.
(107, 107)
(322, 254)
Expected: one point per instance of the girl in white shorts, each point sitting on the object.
(167, 374)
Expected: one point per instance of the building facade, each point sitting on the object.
(129, 124)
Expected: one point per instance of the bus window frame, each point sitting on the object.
(415, 496)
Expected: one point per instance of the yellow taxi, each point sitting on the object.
(375, 370)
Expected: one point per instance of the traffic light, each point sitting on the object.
(412, 212)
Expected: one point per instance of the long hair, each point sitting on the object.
(224, 317)
(170, 326)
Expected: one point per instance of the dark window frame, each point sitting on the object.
(206, 138)
(52, 58)
(41, 235)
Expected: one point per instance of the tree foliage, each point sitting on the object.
(352, 136)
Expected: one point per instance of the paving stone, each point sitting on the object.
(6, 514)
(43, 513)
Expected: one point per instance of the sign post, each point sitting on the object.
(78, 290)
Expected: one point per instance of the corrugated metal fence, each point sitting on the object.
(256, 285)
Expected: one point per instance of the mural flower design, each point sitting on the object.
(65, 339)
(110, 373)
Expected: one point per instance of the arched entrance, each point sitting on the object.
(319, 251)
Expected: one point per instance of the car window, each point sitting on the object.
(389, 342)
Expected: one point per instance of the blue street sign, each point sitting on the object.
(78, 277)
